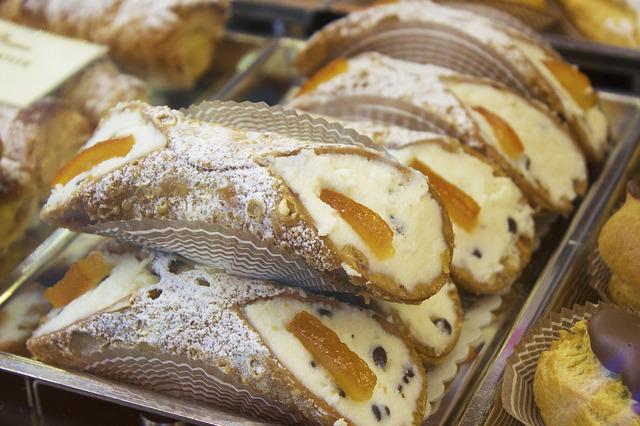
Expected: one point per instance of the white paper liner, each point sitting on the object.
(236, 252)
(534, 18)
(438, 44)
(183, 378)
(476, 318)
(517, 385)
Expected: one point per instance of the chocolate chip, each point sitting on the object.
(325, 312)
(177, 266)
(400, 388)
(386, 409)
(410, 372)
(380, 356)
(154, 293)
(341, 393)
(201, 281)
(376, 412)
(313, 364)
(513, 226)
(527, 162)
(443, 325)
(477, 253)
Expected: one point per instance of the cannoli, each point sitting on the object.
(344, 210)
(18, 199)
(533, 13)
(614, 22)
(19, 317)
(521, 136)
(433, 326)
(100, 87)
(492, 222)
(42, 137)
(429, 33)
(269, 350)
(168, 42)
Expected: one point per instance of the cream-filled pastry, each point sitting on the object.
(285, 355)
(433, 326)
(521, 136)
(20, 316)
(18, 200)
(345, 210)
(475, 45)
(492, 222)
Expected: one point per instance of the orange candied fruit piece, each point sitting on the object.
(576, 83)
(462, 209)
(329, 71)
(368, 224)
(81, 277)
(506, 136)
(348, 370)
(92, 156)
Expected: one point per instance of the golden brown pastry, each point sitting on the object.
(589, 376)
(100, 87)
(18, 199)
(170, 42)
(619, 245)
(42, 137)
(614, 22)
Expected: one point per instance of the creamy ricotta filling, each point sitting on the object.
(20, 316)
(593, 121)
(128, 275)
(433, 322)
(402, 201)
(395, 390)
(554, 159)
(481, 251)
(118, 124)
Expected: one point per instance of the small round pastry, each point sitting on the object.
(589, 376)
(619, 245)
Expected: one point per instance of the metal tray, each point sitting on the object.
(270, 78)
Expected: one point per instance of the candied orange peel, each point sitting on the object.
(350, 372)
(462, 209)
(81, 277)
(92, 156)
(375, 232)
(506, 136)
(575, 82)
(329, 71)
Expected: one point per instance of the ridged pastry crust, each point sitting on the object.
(372, 74)
(197, 316)
(42, 137)
(168, 41)
(245, 181)
(519, 56)
(572, 388)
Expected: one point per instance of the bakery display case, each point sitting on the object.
(383, 213)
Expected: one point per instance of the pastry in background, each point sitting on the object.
(615, 22)
(281, 351)
(473, 45)
(170, 43)
(619, 245)
(522, 137)
(590, 375)
(344, 210)
(433, 326)
(42, 137)
(100, 87)
(18, 200)
(20, 316)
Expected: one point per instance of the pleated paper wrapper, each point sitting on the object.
(517, 386)
(437, 44)
(239, 252)
(510, 13)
